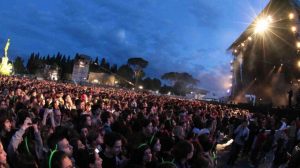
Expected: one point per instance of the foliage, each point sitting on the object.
(152, 84)
(19, 67)
(125, 75)
(137, 64)
(181, 82)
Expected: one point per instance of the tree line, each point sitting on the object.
(131, 74)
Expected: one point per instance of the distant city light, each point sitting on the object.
(291, 16)
(293, 28)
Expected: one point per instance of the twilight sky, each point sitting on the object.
(173, 35)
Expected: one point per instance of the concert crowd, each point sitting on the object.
(49, 124)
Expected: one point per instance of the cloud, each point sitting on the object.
(216, 80)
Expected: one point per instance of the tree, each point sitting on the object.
(151, 84)
(137, 64)
(125, 75)
(104, 66)
(96, 61)
(114, 68)
(19, 67)
(34, 63)
(166, 89)
(181, 81)
(156, 84)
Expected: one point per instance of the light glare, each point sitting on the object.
(291, 16)
(298, 44)
(293, 28)
(263, 24)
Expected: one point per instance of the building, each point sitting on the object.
(266, 56)
(81, 68)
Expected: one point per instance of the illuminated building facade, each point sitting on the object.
(81, 68)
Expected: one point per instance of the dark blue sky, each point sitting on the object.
(173, 35)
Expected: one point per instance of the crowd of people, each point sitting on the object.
(59, 125)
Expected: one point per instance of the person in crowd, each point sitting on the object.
(113, 122)
(183, 151)
(3, 157)
(58, 159)
(141, 157)
(6, 130)
(111, 155)
(88, 158)
(241, 135)
(155, 146)
(107, 119)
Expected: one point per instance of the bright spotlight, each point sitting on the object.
(141, 87)
(293, 28)
(298, 64)
(298, 44)
(235, 51)
(291, 16)
(263, 24)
